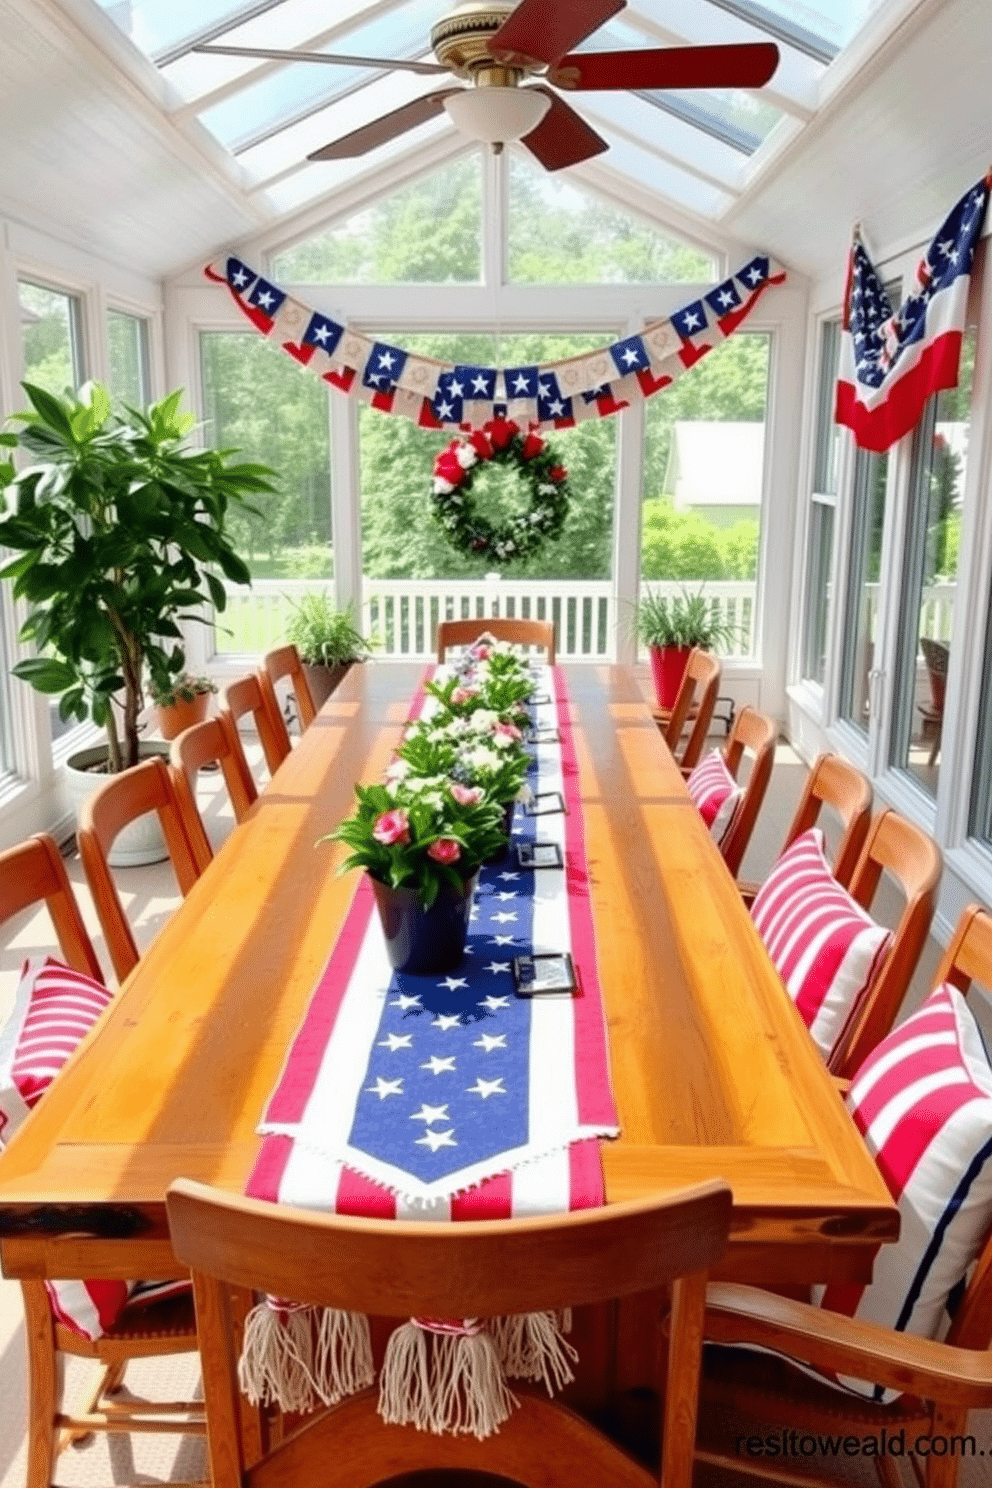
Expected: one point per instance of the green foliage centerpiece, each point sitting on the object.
(441, 812)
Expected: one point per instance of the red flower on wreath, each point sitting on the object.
(501, 432)
(533, 445)
(448, 468)
(558, 473)
(479, 440)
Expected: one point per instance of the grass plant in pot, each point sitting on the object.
(118, 525)
(327, 639)
(671, 625)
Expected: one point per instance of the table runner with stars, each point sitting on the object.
(428, 1097)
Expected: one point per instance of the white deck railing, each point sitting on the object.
(401, 615)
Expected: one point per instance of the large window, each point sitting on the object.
(861, 607)
(929, 578)
(404, 543)
(51, 339)
(558, 234)
(429, 233)
(820, 533)
(127, 358)
(703, 482)
(256, 400)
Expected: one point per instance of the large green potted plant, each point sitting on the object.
(672, 625)
(119, 528)
(327, 639)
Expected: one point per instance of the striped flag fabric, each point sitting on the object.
(893, 360)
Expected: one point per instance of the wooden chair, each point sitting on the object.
(119, 800)
(255, 695)
(832, 782)
(284, 661)
(752, 734)
(941, 1381)
(696, 700)
(912, 858)
(214, 741)
(539, 633)
(489, 1268)
(34, 873)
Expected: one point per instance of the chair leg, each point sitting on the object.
(43, 1385)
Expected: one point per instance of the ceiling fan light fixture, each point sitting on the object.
(496, 115)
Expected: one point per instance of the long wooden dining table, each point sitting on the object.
(713, 1072)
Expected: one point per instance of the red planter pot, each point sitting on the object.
(668, 665)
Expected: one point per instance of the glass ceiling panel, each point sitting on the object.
(291, 146)
(272, 115)
(670, 136)
(288, 91)
(318, 177)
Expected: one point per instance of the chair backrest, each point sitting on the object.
(214, 741)
(518, 632)
(255, 695)
(914, 861)
(119, 800)
(33, 872)
(486, 1269)
(700, 685)
(752, 734)
(284, 661)
(834, 782)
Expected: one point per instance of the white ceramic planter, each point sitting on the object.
(141, 841)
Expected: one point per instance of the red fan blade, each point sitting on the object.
(748, 65)
(563, 137)
(360, 141)
(545, 30)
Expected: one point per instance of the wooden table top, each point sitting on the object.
(713, 1071)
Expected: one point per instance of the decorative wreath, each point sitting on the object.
(536, 465)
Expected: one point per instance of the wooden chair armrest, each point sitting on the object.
(841, 1084)
(832, 1342)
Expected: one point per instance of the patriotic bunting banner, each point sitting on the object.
(438, 395)
(891, 362)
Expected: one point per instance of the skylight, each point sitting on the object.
(688, 145)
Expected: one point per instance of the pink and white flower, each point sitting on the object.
(444, 850)
(392, 827)
(466, 795)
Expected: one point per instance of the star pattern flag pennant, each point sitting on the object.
(892, 361)
(554, 395)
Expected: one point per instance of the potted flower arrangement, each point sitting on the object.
(671, 626)
(119, 530)
(442, 810)
(327, 639)
(184, 702)
(422, 840)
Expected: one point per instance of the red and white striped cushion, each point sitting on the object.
(826, 948)
(923, 1102)
(54, 1008)
(715, 793)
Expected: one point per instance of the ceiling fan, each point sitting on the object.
(496, 46)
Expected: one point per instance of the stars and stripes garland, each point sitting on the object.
(892, 361)
(554, 395)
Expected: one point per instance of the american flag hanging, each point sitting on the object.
(891, 362)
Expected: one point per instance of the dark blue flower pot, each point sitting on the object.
(423, 941)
